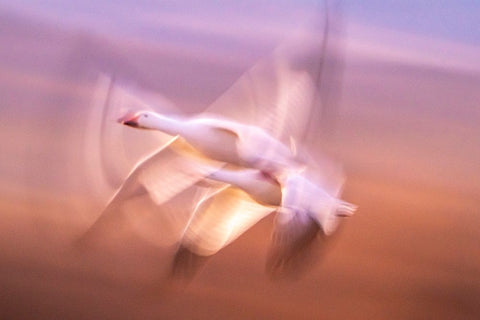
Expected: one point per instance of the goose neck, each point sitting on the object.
(168, 125)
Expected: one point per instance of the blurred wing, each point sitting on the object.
(270, 95)
(329, 72)
(287, 115)
(293, 241)
(282, 92)
(111, 149)
(172, 169)
(220, 219)
(169, 176)
(161, 225)
(159, 187)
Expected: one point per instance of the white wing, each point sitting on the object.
(110, 150)
(272, 96)
(220, 219)
(157, 188)
(287, 92)
(286, 120)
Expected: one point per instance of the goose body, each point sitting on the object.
(294, 194)
(302, 195)
(258, 185)
(221, 140)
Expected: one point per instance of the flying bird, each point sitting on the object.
(236, 163)
(258, 175)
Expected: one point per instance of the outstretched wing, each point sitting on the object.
(221, 218)
(271, 95)
(289, 91)
(110, 150)
(158, 187)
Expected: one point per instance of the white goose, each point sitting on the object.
(221, 140)
(251, 147)
(223, 213)
(269, 175)
(275, 181)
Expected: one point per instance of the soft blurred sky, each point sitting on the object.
(441, 33)
(443, 19)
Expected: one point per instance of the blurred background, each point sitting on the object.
(402, 116)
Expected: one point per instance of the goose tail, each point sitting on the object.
(345, 209)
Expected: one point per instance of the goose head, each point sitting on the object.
(140, 119)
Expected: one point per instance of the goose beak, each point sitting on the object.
(130, 119)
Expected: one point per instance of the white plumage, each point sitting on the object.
(235, 169)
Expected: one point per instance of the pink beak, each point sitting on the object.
(130, 119)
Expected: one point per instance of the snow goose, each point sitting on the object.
(226, 210)
(220, 139)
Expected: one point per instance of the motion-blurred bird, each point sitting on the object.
(251, 147)
(267, 177)
(236, 168)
